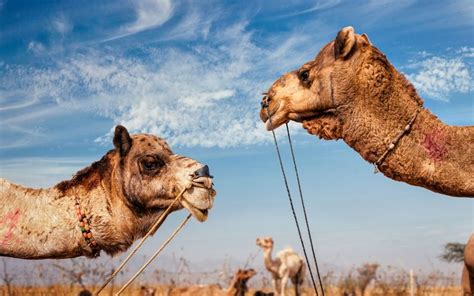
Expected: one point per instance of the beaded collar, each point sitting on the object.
(84, 224)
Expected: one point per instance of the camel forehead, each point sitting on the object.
(146, 142)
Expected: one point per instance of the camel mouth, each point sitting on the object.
(271, 125)
(274, 118)
(198, 201)
(200, 214)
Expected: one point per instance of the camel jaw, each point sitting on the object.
(200, 215)
(198, 202)
(273, 119)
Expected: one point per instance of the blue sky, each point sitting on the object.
(192, 72)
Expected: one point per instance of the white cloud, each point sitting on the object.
(61, 25)
(438, 77)
(467, 52)
(317, 6)
(203, 95)
(36, 47)
(149, 14)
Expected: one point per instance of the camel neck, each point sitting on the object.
(432, 155)
(268, 261)
(38, 223)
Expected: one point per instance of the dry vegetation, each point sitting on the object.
(367, 280)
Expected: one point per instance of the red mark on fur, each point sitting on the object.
(435, 144)
(10, 222)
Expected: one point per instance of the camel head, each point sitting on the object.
(151, 175)
(319, 85)
(266, 243)
(245, 274)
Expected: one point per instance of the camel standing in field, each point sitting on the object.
(350, 91)
(287, 265)
(106, 206)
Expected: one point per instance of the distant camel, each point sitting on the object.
(287, 265)
(106, 206)
(238, 285)
(144, 291)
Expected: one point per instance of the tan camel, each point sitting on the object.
(238, 285)
(350, 91)
(287, 265)
(106, 206)
(468, 269)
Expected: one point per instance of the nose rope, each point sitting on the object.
(153, 228)
(154, 255)
(264, 105)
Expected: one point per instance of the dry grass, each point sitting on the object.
(72, 276)
(214, 290)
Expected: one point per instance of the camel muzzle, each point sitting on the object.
(202, 178)
(202, 172)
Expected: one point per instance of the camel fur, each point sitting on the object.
(287, 265)
(350, 91)
(121, 195)
(467, 281)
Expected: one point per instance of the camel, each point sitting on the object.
(468, 269)
(106, 206)
(287, 265)
(350, 91)
(238, 285)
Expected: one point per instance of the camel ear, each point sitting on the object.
(366, 37)
(122, 140)
(345, 41)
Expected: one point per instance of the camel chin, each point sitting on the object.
(275, 122)
(198, 203)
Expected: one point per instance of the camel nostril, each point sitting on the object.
(202, 172)
(265, 101)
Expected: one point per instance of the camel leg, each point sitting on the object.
(296, 283)
(468, 270)
(297, 289)
(284, 280)
(275, 286)
(465, 281)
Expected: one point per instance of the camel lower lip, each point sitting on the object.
(199, 214)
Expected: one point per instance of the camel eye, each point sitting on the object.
(151, 164)
(304, 76)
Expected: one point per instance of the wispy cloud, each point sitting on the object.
(467, 52)
(149, 14)
(317, 6)
(203, 95)
(439, 77)
(61, 25)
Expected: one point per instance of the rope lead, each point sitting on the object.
(304, 210)
(292, 206)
